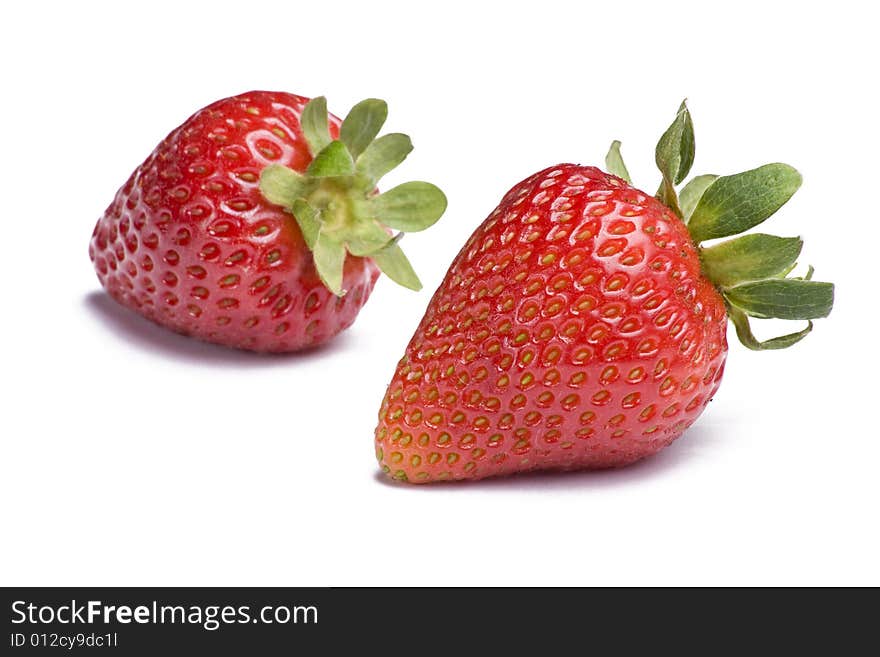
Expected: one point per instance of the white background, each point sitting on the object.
(134, 456)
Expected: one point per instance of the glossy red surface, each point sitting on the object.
(190, 243)
(573, 330)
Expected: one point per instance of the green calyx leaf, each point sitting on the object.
(750, 258)
(329, 255)
(410, 207)
(362, 124)
(369, 238)
(783, 298)
(315, 124)
(280, 185)
(674, 156)
(383, 155)
(334, 202)
(395, 265)
(744, 332)
(733, 204)
(614, 162)
(308, 220)
(333, 161)
(692, 193)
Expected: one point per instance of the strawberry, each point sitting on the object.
(256, 223)
(583, 325)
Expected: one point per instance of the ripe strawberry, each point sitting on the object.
(256, 224)
(582, 325)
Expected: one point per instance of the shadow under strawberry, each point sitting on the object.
(149, 336)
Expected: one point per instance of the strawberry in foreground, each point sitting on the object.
(583, 323)
(257, 224)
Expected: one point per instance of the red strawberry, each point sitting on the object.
(582, 325)
(256, 223)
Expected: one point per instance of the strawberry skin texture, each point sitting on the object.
(574, 330)
(190, 243)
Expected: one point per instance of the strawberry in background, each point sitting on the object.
(583, 324)
(257, 224)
